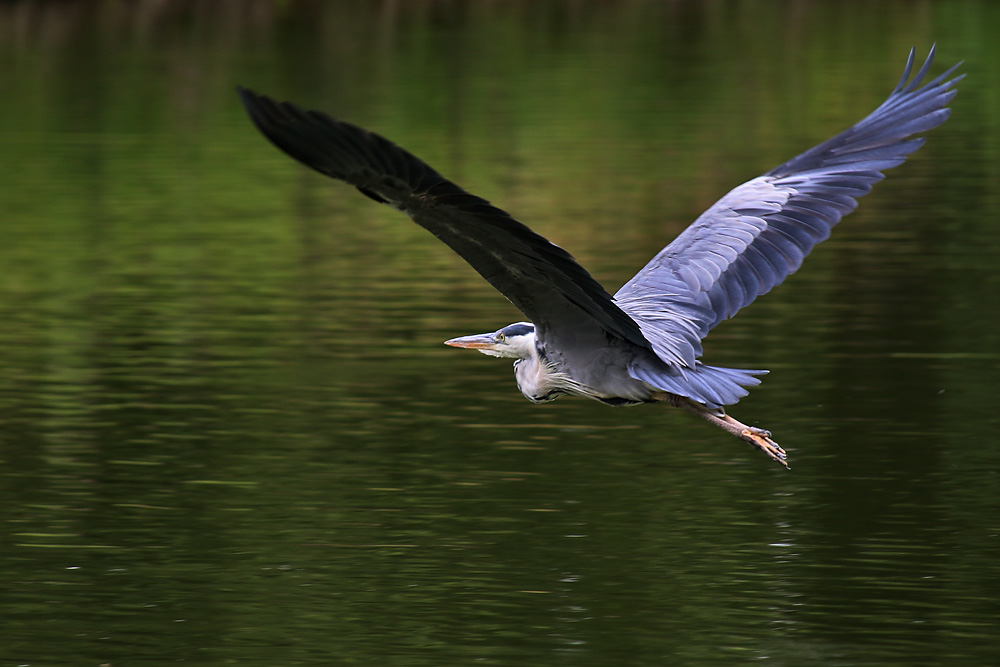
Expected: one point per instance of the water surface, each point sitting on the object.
(229, 431)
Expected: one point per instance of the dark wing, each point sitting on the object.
(541, 279)
(758, 234)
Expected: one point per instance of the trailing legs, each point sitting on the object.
(756, 437)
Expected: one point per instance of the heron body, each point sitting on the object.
(643, 344)
(543, 376)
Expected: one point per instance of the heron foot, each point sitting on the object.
(761, 439)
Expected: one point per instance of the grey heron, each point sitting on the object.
(643, 344)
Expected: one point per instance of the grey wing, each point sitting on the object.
(541, 279)
(756, 235)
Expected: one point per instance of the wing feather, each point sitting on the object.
(538, 277)
(755, 236)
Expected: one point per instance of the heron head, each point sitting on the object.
(516, 341)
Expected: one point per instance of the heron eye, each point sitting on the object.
(501, 338)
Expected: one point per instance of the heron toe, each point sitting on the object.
(761, 439)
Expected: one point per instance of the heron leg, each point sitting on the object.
(756, 437)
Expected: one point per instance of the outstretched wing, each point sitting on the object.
(758, 234)
(541, 279)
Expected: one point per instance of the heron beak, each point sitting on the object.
(476, 342)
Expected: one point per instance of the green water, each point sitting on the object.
(229, 432)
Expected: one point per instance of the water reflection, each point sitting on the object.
(230, 431)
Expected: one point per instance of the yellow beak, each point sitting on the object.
(476, 342)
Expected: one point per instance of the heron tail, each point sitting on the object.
(712, 386)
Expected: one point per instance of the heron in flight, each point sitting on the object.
(643, 344)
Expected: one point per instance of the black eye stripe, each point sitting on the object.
(517, 330)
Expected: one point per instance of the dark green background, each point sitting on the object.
(229, 432)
